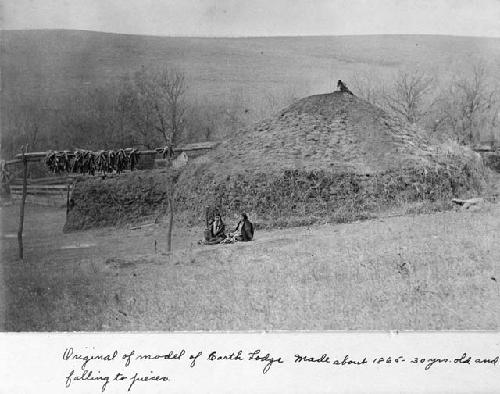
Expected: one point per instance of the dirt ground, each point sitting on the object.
(436, 271)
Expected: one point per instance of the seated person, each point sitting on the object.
(343, 87)
(216, 231)
(244, 230)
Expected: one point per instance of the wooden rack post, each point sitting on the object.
(68, 190)
(21, 209)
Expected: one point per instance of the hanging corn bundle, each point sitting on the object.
(88, 162)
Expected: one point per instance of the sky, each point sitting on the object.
(257, 17)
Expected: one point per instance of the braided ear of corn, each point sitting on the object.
(88, 162)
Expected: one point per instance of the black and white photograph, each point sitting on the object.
(231, 165)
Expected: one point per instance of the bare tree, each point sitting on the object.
(138, 97)
(157, 98)
(93, 119)
(369, 86)
(470, 105)
(170, 109)
(25, 121)
(122, 134)
(202, 121)
(157, 104)
(408, 97)
(475, 100)
(275, 100)
(169, 105)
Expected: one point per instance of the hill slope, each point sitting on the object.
(54, 62)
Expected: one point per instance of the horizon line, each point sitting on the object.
(251, 36)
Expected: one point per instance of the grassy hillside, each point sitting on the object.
(54, 62)
(425, 272)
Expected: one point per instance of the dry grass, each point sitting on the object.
(438, 271)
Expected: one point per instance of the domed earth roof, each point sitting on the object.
(335, 131)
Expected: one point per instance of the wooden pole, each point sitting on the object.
(170, 194)
(208, 145)
(171, 218)
(21, 209)
(207, 218)
(67, 199)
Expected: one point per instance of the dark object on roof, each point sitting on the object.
(343, 87)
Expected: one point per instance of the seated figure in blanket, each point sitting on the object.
(244, 230)
(215, 233)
